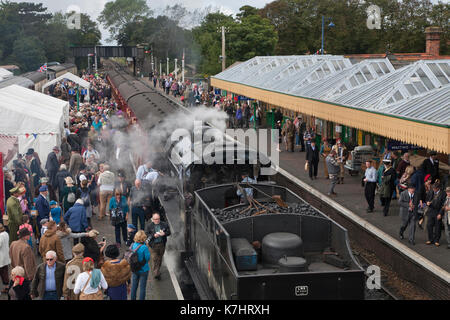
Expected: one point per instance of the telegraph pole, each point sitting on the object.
(167, 66)
(176, 68)
(223, 48)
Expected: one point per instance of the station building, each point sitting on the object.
(394, 101)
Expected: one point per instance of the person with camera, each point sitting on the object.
(157, 231)
(118, 207)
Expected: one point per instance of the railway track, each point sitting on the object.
(399, 271)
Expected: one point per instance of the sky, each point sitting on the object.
(94, 7)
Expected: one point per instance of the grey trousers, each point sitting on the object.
(333, 180)
(447, 228)
(408, 219)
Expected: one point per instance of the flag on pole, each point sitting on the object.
(43, 68)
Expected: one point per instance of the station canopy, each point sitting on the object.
(70, 76)
(371, 84)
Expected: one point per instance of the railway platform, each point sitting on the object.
(351, 196)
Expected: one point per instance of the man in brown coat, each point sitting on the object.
(51, 241)
(22, 255)
(73, 268)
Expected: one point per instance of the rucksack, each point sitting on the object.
(117, 216)
(133, 260)
(71, 197)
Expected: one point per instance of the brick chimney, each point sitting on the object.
(433, 39)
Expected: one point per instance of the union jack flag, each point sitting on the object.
(43, 68)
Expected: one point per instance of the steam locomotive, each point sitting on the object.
(240, 240)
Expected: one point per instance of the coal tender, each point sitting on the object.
(273, 246)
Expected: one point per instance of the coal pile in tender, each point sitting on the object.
(230, 214)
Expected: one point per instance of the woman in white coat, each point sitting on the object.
(4, 257)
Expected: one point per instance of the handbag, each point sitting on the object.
(306, 166)
(91, 296)
(5, 219)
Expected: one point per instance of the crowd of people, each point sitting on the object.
(49, 248)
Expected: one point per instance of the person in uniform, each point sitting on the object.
(14, 213)
(387, 185)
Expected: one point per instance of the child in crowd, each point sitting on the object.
(55, 212)
(25, 224)
(131, 233)
(44, 226)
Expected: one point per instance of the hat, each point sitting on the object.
(53, 202)
(433, 153)
(131, 226)
(43, 189)
(387, 160)
(78, 248)
(43, 180)
(44, 221)
(24, 232)
(93, 233)
(14, 190)
(82, 178)
(428, 176)
(30, 152)
(411, 185)
(68, 180)
(55, 148)
(120, 174)
(112, 251)
(88, 259)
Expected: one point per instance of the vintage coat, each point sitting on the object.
(404, 205)
(116, 274)
(22, 255)
(38, 283)
(51, 241)
(73, 268)
(14, 217)
(52, 166)
(4, 249)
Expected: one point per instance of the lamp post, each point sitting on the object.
(330, 25)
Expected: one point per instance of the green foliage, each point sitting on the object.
(298, 24)
(119, 13)
(30, 36)
(247, 36)
(29, 53)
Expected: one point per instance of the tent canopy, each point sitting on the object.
(71, 77)
(38, 100)
(34, 118)
(5, 73)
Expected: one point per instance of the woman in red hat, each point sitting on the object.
(423, 191)
(91, 282)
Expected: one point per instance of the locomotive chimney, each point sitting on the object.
(433, 38)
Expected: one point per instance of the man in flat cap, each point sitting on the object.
(42, 205)
(14, 213)
(73, 268)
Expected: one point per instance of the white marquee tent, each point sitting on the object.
(70, 76)
(5, 74)
(35, 118)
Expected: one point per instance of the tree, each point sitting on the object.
(28, 53)
(119, 13)
(248, 35)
